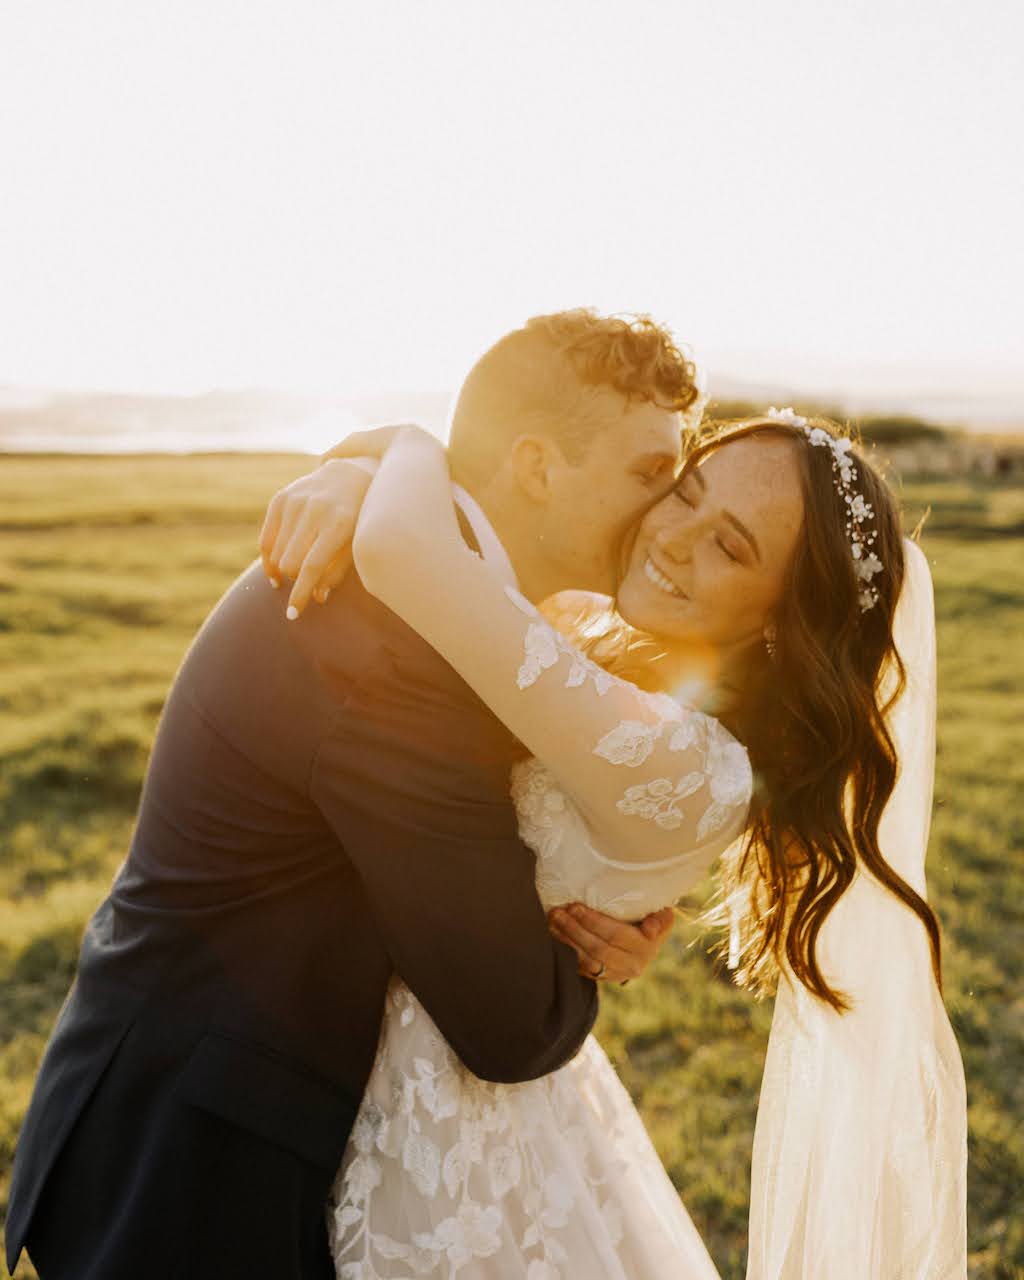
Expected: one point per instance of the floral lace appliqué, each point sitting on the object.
(629, 743)
(550, 825)
(545, 646)
(725, 768)
(659, 801)
(487, 1130)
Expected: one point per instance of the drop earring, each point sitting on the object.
(769, 639)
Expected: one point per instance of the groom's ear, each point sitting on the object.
(532, 459)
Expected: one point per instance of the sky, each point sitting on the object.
(357, 196)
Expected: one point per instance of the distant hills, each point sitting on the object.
(978, 410)
(268, 421)
(217, 421)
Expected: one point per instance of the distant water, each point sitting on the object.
(107, 427)
(258, 422)
(235, 422)
(173, 441)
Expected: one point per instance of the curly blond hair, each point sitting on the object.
(548, 376)
(635, 355)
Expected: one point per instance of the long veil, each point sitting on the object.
(860, 1148)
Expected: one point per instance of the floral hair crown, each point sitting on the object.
(865, 563)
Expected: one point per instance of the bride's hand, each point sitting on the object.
(612, 949)
(308, 529)
(309, 526)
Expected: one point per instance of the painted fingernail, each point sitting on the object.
(291, 613)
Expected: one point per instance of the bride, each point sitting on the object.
(771, 587)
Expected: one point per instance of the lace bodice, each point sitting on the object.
(571, 869)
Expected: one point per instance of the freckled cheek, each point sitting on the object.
(751, 608)
(725, 601)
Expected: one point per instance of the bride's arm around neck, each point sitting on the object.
(653, 779)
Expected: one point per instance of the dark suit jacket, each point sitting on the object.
(326, 803)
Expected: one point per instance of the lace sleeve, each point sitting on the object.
(652, 778)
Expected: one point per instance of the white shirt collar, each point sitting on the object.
(490, 544)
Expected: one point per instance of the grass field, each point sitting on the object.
(107, 567)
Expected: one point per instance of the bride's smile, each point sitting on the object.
(709, 559)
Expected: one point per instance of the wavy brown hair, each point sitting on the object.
(813, 719)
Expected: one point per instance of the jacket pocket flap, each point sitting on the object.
(273, 1097)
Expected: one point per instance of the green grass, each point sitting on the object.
(107, 567)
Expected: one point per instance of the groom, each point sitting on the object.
(326, 805)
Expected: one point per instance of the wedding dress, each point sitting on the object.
(448, 1175)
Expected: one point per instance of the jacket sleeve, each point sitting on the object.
(414, 779)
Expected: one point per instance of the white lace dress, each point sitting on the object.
(448, 1175)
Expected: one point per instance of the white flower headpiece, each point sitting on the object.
(865, 563)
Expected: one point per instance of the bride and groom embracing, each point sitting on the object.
(323, 1025)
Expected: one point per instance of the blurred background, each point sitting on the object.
(231, 232)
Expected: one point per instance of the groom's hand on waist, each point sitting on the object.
(608, 949)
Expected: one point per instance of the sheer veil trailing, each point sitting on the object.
(860, 1148)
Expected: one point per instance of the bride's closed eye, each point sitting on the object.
(678, 492)
(723, 547)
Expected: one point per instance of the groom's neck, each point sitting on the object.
(538, 578)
